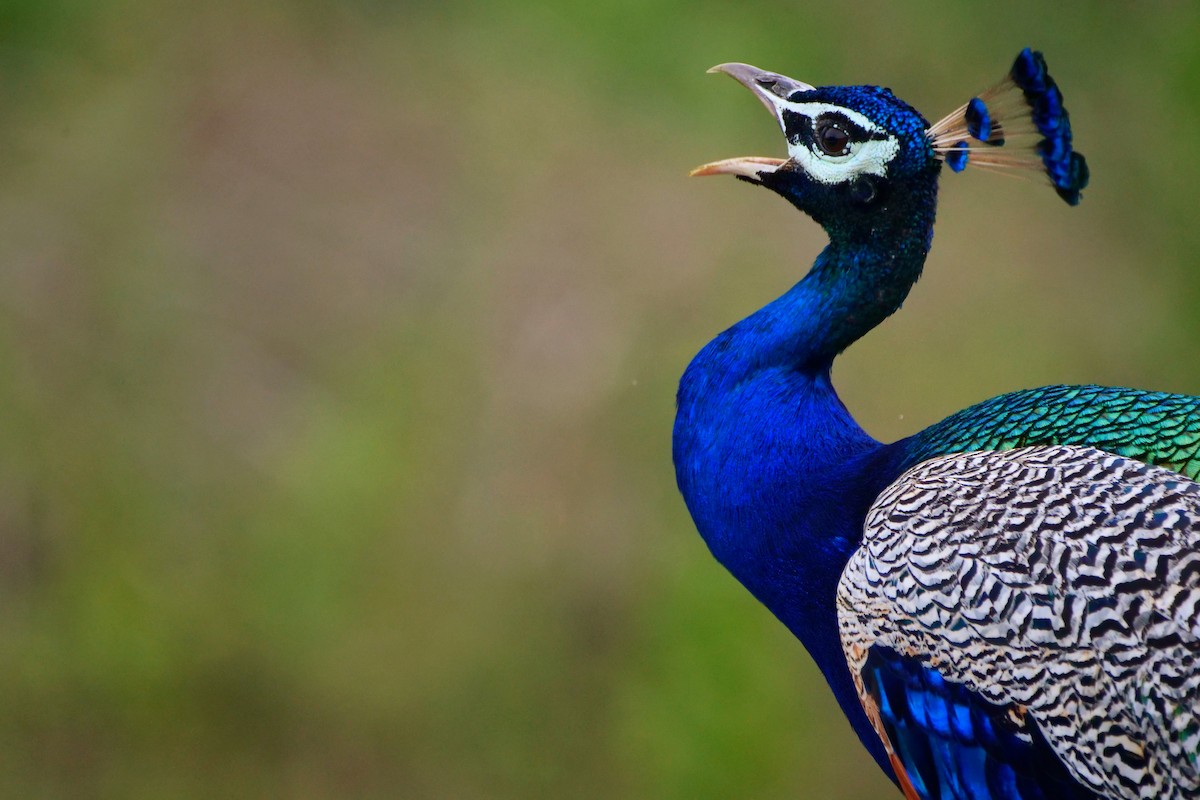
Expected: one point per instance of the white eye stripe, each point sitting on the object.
(814, 110)
(865, 158)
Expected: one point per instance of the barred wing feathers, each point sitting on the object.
(1057, 587)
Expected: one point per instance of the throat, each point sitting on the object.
(851, 288)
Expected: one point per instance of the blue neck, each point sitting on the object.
(776, 473)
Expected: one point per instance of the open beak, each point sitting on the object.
(772, 90)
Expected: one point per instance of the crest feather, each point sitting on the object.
(1018, 124)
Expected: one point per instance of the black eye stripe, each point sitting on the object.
(798, 127)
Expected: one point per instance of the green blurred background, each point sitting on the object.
(339, 346)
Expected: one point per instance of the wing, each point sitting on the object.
(1018, 619)
(1151, 427)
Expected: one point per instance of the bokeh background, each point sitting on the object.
(338, 344)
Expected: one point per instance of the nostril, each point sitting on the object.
(775, 84)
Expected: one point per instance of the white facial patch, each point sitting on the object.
(870, 157)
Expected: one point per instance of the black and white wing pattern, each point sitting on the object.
(1026, 623)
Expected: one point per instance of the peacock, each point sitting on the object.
(1007, 603)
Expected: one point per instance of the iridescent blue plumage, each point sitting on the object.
(979, 122)
(908, 592)
(1068, 171)
(958, 156)
(955, 744)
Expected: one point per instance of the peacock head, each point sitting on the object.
(858, 153)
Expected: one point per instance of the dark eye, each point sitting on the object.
(832, 139)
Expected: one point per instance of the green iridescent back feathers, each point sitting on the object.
(1152, 427)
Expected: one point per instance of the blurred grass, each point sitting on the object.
(340, 343)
